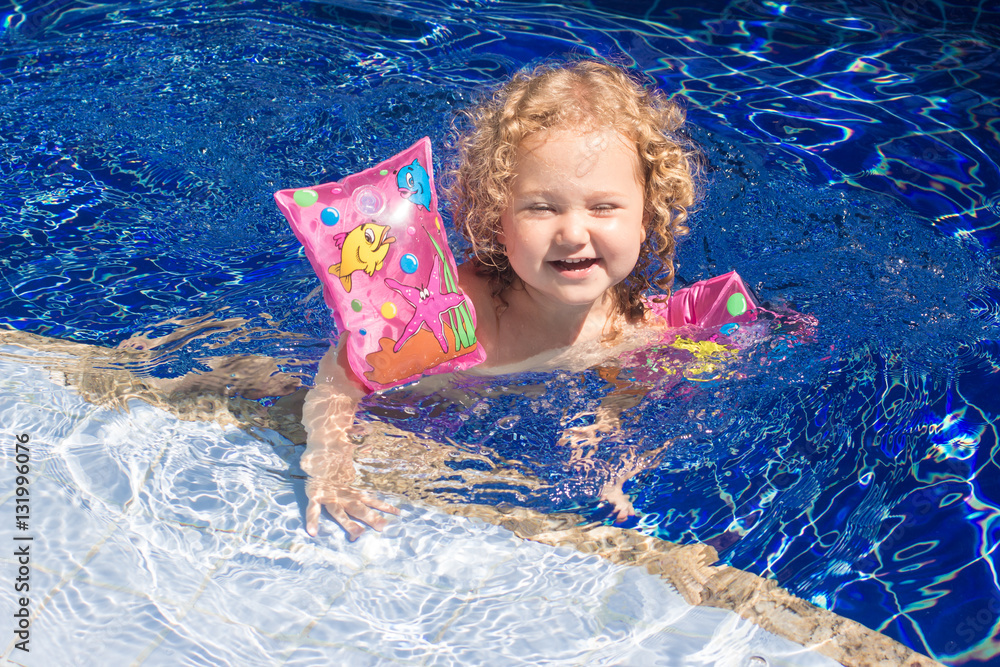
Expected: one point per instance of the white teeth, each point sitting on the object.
(576, 261)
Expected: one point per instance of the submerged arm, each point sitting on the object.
(584, 441)
(327, 416)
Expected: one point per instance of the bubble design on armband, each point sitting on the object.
(363, 332)
(330, 216)
(388, 310)
(409, 263)
(736, 304)
(356, 306)
(368, 200)
(305, 198)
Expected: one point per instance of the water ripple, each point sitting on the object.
(852, 167)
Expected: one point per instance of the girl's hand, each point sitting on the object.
(344, 504)
(327, 415)
(621, 504)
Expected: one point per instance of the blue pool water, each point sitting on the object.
(852, 154)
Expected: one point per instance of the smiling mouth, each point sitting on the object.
(573, 265)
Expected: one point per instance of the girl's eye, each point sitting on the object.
(605, 208)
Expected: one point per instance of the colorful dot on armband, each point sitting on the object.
(305, 198)
(736, 304)
(409, 263)
(330, 216)
(388, 310)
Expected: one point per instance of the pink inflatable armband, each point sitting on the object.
(708, 323)
(709, 303)
(376, 242)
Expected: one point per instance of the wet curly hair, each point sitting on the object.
(590, 95)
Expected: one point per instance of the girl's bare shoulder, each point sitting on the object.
(470, 280)
(477, 288)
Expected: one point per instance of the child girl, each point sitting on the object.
(571, 189)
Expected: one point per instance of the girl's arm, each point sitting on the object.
(584, 441)
(327, 415)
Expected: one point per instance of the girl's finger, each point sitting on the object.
(312, 517)
(375, 503)
(353, 528)
(360, 511)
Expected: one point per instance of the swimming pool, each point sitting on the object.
(852, 172)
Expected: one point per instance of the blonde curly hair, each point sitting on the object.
(586, 94)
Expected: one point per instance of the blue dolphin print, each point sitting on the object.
(415, 185)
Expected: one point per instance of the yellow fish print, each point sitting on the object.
(362, 249)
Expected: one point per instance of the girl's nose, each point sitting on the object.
(572, 229)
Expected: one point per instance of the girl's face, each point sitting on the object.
(576, 217)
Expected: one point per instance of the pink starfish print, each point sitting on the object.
(430, 306)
